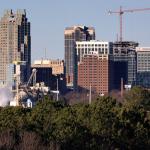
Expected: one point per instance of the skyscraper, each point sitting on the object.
(15, 44)
(73, 34)
(124, 57)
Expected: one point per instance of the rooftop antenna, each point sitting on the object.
(45, 53)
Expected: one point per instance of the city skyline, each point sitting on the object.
(49, 19)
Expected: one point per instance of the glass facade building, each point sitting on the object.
(125, 51)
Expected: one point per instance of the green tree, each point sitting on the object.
(137, 96)
(13, 118)
(42, 116)
(69, 132)
(103, 122)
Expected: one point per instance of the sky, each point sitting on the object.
(50, 17)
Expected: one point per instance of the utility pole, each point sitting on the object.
(17, 90)
(90, 95)
(122, 89)
(57, 89)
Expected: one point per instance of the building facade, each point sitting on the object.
(15, 45)
(143, 66)
(125, 52)
(93, 47)
(95, 67)
(95, 71)
(44, 74)
(56, 65)
(71, 35)
(51, 79)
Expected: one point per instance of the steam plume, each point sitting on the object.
(5, 96)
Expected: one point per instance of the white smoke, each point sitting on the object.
(5, 96)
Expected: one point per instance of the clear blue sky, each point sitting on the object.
(50, 17)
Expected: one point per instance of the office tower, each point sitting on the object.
(71, 35)
(143, 66)
(15, 44)
(95, 67)
(124, 57)
(95, 70)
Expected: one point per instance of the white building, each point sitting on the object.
(93, 47)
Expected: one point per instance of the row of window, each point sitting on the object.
(92, 45)
(92, 49)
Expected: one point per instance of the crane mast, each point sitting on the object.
(121, 12)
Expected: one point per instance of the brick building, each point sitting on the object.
(95, 70)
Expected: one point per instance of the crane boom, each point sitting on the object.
(121, 12)
(128, 10)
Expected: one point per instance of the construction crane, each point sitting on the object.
(32, 77)
(121, 12)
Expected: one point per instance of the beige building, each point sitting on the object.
(15, 45)
(56, 65)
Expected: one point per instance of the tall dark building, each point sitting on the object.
(120, 70)
(124, 57)
(73, 34)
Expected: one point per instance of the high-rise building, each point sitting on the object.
(124, 57)
(15, 44)
(95, 68)
(143, 66)
(95, 71)
(71, 35)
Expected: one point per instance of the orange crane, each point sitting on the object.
(121, 12)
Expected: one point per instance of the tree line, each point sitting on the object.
(104, 124)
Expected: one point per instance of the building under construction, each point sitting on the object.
(124, 58)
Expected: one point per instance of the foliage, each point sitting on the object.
(104, 124)
(138, 97)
